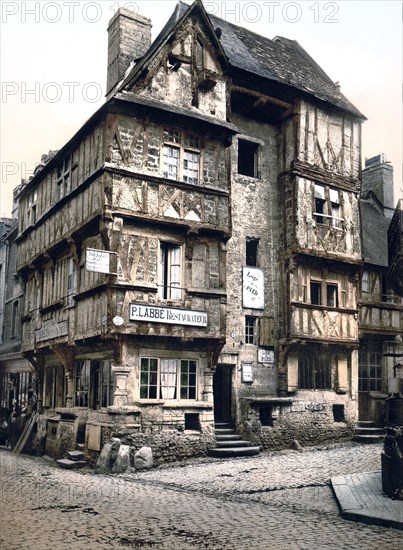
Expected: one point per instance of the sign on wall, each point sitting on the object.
(153, 314)
(265, 355)
(247, 372)
(253, 288)
(99, 261)
(51, 329)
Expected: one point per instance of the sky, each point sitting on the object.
(53, 60)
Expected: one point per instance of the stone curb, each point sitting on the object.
(360, 499)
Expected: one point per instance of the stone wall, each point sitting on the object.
(309, 420)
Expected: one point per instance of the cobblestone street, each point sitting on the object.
(279, 500)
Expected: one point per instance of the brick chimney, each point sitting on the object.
(377, 177)
(129, 38)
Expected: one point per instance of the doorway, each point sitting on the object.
(370, 379)
(222, 388)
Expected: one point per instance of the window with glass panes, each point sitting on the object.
(170, 274)
(315, 370)
(71, 281)
(181, 156)
(93, 384)
(164, 378)
(327, 207)
(370, 372)
(250, 330)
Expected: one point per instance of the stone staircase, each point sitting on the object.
(74, 459)
(367, 432)
(230, 444)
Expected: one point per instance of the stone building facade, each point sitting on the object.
(380, 300)
(192, 255)
(17, 375)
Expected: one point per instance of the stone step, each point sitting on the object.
(368, 439)
(75, 455)
(219, 425)
(369, 431)
(68, 464)
(224, 431)
(228, 437)
(80, 446)
(222, 452)
(237, 443)
(366, 424)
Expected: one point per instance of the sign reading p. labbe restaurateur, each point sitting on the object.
(153, 314)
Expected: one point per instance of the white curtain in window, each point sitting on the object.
(175, 273)
(168, 378)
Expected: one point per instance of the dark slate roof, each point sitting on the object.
(374, 234)
(280, 60)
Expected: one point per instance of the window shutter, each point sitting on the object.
(342, 375)
(266, 329)
(292, 372)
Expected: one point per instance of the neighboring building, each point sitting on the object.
(380, 301)
(193, 253)
(16, 373)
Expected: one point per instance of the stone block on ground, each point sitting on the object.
(143, 459)
(103, 462)
(122, 461)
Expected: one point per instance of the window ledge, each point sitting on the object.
(52, 307)
(324, 308)
(173, 404)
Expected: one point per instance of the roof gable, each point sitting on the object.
(185, 66)
(181, 13)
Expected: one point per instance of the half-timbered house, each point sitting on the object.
(192, 254)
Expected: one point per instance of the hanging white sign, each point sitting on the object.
(253, 288)
(99, 261)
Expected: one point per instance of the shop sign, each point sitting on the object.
(247, 372)
(51, 330)
(253, 288)
(265, 355)
(99, 261)
(172, 316)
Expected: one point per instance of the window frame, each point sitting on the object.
(329, 293)
(252, 252)
(89, 394)
(371, 370)
(251, 330)
(157, 384)
(71, 281)
(32, 207)
(315, 370)
(325, 204)
(54, 387)
(246, 147)
(170, 290)
(63, 177)
(15, 308)
(185, 143)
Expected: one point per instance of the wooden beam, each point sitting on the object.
(253, 93)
